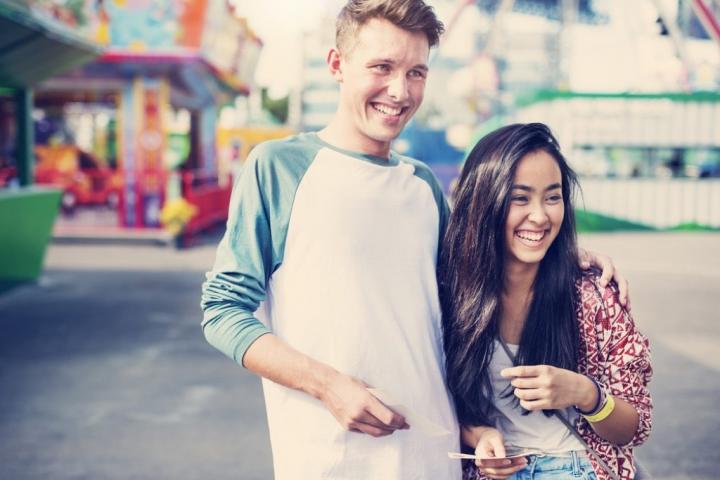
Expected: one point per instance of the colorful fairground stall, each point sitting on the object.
(34, 45)
(135, 130)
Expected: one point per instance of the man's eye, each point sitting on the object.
(381, 68)
(417, 74)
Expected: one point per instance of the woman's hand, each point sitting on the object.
(490, 451)
(544, 387)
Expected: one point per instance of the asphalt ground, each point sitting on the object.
(104, 373)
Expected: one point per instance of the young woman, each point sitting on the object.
(528, 336)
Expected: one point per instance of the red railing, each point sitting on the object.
(211, 200)
(7, 174)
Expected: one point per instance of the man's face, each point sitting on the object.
(382, 81)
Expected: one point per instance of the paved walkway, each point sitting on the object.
(104, 372)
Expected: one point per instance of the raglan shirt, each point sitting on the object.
(335, 253)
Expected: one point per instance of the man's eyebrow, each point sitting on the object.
(381, 60)
(420, 66)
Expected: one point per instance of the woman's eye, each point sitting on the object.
(519, 198)
(554, 198)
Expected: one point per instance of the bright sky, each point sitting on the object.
(280, 23)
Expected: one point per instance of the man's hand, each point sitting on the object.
(544, 387)
(347, 398)
(605, 263)
(358, 410)
(491, 450)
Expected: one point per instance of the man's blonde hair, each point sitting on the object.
(410, 15)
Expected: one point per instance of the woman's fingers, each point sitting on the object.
(504, 472)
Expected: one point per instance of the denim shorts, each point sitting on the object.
(572, 466)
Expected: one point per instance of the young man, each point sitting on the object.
(332, 239)
(337, 236)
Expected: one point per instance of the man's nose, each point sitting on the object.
(398, 88)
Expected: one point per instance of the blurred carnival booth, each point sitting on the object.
(33, 47)
(145, 115)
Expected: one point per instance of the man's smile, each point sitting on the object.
(388, 109)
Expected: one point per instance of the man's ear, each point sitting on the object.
(334, 64)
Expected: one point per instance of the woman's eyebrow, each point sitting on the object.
(553, 186)
(528, 188)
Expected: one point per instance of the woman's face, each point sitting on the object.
(536, 209)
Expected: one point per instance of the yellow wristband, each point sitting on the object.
(604, 412)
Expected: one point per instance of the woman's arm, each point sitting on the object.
(624, 373)
(544, 387)
(620, 426)
(625, 355)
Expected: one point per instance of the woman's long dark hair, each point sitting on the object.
(471, 272)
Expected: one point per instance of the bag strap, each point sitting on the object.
(571, 428)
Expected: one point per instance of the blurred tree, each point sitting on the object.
(278, 108)
(77, 7)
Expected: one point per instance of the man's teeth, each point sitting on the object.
(532, 236)
(387, 110)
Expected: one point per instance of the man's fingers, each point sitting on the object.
(366, 422)
(624, 288)
(369, 419)
(608, 269)
(583, 258)
(361, 427)
(385, 415)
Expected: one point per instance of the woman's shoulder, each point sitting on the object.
(599, 305)
(589, 287)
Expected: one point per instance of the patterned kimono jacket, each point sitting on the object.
(617, 355)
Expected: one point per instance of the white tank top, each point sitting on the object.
(534, 430)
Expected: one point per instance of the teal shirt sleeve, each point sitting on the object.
(253, 244)
(424, 172)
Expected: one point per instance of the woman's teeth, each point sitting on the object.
(529, 235)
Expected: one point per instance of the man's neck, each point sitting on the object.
(341, 136)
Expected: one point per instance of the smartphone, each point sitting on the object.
(512, 453)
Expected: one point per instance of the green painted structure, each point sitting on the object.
(33, 48)
(26, 220)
